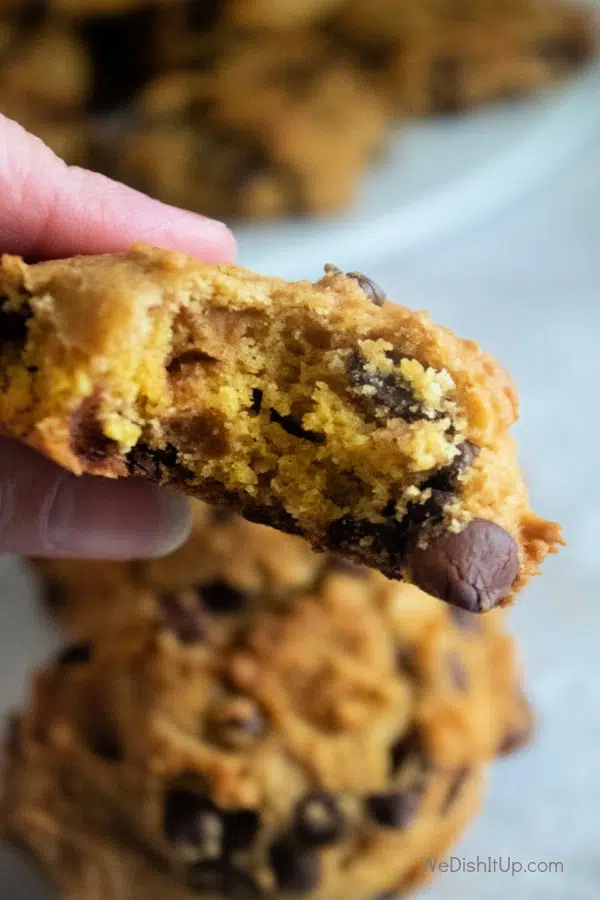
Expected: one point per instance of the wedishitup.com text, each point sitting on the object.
(488, 864)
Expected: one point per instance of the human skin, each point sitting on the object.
(49, 210)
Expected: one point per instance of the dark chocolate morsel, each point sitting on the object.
(297, 870)
(369, 287)
(75, 655)
(474, 569)
(148, 462)
(187, 621)
(406, 747)
(394, 810)
(192, 820)
(446, 479)
(13, 327)
(221, 597)
(293, 426)
(318, 820)
(386, 391)
(445, 84)
(257, 398)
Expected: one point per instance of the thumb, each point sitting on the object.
(50, 210)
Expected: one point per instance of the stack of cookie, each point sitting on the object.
(256, 109)
(248, 719)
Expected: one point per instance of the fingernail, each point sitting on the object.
(175, 519)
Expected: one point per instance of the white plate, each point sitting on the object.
(439, 178)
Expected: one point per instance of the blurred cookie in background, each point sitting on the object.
(317, 743)
(261, 130)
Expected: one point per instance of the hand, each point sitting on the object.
(47, 211)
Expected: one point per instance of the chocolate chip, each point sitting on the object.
(184, 616)
(221, 877)
(369, 287)
(474, 569)
(56, 596)
(241, 827)
(454, 790)
(394, 810)
(88, 440)
(465, 620)
(296, 868)
(275, 516)
(563, 49)
(318, 820)
(149, 461)
(257, 399)
(188, 358)
(457, 671)
(193, 821)
(75, 655)
(386, 391)
(13, 327)
(221, 597)
(444, 85)
(350, 534)
(293, 426)
(407, 747)
(446, 479)
(405, 661)
(104, 742)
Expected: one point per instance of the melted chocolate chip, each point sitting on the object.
(13, 327)
(369, 287)
(75, 655)
(185, 619)
(188, 358)
(149, 461)
(454, 790)
(405, 661)
(318, 820)
(386, 391)
(474, 569)
(409, 745)
(394, 810)
(191, 820)
(105, 744)
(56, 596)
(293, 426)
(88, 440)
(241, 827)
(457, 672)
(296, 868)
(275, 516)
(446, 479)
(563, 49)
(257, 399)
(221, 597)
(444, 85)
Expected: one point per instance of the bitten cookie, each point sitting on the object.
(260, 128)
(319, 409)
(318, 745)
(226, 561)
